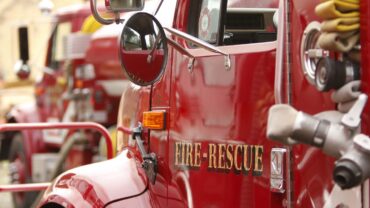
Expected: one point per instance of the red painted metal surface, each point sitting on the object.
(24, 187)
(118, 179)
(193, 100)
(309, 184)
(71, 126)
(102, 53)
(219, 109)
(213, 106)
(365, 60)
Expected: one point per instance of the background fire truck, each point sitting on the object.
(82, 81)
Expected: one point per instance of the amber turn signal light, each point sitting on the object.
(154, 119)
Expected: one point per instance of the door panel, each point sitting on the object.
(218, 117)
(218, 122)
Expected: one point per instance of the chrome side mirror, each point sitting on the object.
(116, 7)
(143, 49)
(124, 5)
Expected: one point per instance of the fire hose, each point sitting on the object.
(340, 26)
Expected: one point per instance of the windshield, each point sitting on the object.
(57, 52)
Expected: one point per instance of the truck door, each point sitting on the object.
(219, 155)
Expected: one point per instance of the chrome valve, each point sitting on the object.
(327, 134)
(333, 132)
(353, 167)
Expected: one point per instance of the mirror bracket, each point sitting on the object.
(150, 162)
(101, 19)
(117, 18)
(201, 44)
(191, 64)
(227, 62)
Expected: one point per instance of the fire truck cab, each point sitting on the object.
(192, 125)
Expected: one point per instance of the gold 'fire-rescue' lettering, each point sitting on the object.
(240, 158)
(187, 154)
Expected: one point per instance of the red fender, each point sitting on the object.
(119, 182)
(28, 113)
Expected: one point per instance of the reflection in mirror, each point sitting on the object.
(125, 5)
(143, 49)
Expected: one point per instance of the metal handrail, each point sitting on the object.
(24, 187)
(280, 54)
(64, 125)
(44, 126)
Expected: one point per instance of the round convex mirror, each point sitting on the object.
(143, 49)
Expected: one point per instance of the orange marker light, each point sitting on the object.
(39, 91)
(79, 84)
(154, 119)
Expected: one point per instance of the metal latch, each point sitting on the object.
(277, 170)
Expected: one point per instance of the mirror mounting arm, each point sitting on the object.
(179, 48)
(117, 18)
(101, 19)
(150, 163)
(183, 51)
(202, 44)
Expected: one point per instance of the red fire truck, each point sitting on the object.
(213, 77)
(82, 80)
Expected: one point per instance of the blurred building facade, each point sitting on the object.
(25, 12)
